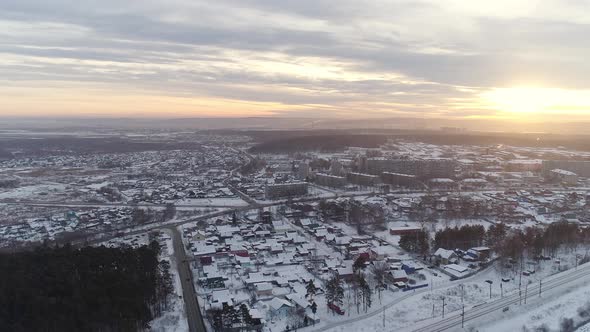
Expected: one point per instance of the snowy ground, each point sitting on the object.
(133, 241)
(175, 319)
(33, 192)
(547, 313)
(229, 202)
(403, 310)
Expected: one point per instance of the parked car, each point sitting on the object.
(336, 309)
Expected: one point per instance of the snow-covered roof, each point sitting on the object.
(277, 303)
(444, 253)
(264, 286)
(456, 268)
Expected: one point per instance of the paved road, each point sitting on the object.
(130, 205)
(193, 311)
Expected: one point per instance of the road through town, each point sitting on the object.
(193, 311)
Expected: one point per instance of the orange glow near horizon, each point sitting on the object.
(518, 104)
(92, 102)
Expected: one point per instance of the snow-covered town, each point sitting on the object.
(294, 166)
(403, 236)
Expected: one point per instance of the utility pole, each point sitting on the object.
(540, 284)
(501, 291)
(463, 317)
(490, 290)
(433, 310)
(462, 292)
(443, 313)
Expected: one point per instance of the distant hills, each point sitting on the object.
(281, 123)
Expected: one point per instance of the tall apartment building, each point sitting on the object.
(580, 167)
(328, 180)
(303, 170)
(285, 190)
(421, 168)
(362, 179)
(398, 179)
(336, 167)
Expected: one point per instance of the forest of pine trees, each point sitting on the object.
(88, 289)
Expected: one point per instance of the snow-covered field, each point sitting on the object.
(32, 192)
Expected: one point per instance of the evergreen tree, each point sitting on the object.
(106, 289)
(311, 289)
(334, 290)
(314, 307)
(245, 313)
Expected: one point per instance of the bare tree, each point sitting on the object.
(379, 270)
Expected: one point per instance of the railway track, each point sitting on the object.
(455, 320)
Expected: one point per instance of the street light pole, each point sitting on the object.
(443, 308)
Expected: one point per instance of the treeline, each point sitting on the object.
(531, 242)
(253, 166)
(230, 317)
(418, 243)
(4, 154)
(84, 145)
(465, 237)
(324, 143)
(88, 289)
(145, 216)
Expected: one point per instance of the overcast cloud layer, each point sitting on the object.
(434, 58)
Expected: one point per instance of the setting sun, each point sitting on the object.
(526, 102)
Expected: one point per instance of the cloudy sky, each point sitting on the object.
(522, 60)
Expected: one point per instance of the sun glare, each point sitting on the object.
(531, 101)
